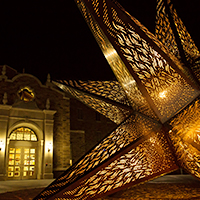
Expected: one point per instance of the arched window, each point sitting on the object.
(23, 133)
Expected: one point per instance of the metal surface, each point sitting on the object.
(139, 59)
(138, 142)
(111, 102)
(155, 103)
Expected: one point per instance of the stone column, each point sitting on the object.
(40, 161)
(48, 143)
(4, 119)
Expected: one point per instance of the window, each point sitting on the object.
(23, 133)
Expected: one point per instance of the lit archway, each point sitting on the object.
(22, 153)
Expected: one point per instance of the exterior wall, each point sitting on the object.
(72, 137)
(38, 121)
(77, 139)
(3, 139)
(92, 129)
(62, 149)
(54, 127)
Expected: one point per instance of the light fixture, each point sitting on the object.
(1, 145)
(49, 147)
(162, 94)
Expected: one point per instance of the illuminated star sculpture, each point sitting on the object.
(155, 103)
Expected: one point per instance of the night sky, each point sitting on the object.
(52, 37)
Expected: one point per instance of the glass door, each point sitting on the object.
(14, 163)
(29, 163)
(21, 163)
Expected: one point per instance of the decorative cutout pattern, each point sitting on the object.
(133, 128)
(114, 113)
(138, 150)
(139, 59)
(185, 135)
(165, 34)
(140, 163)
(163, 30)
(109, 90)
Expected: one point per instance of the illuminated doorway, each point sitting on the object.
(22, 154)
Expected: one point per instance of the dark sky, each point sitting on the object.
(52, 37)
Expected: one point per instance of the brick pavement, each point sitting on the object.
(181, 189)
(161, 191)
(21, 194)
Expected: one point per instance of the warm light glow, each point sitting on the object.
(49, 147)
(26, 94)
(129, 83)
(162, 94)
(192, 134)
(1, 145)
(110, 54)
(70, 162)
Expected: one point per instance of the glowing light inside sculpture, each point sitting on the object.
(110, 54)
(154, 90)
(163, 94)
(129, 83)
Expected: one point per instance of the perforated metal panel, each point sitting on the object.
(138, 59)
(155, 103)
(139, 143)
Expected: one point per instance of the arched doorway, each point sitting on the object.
(22, 154)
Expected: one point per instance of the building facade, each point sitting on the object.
(43, 130)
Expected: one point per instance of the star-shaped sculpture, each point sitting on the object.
(155, 103)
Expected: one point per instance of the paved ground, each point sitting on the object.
(23, 189)
(169, 187)
(9, 186)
